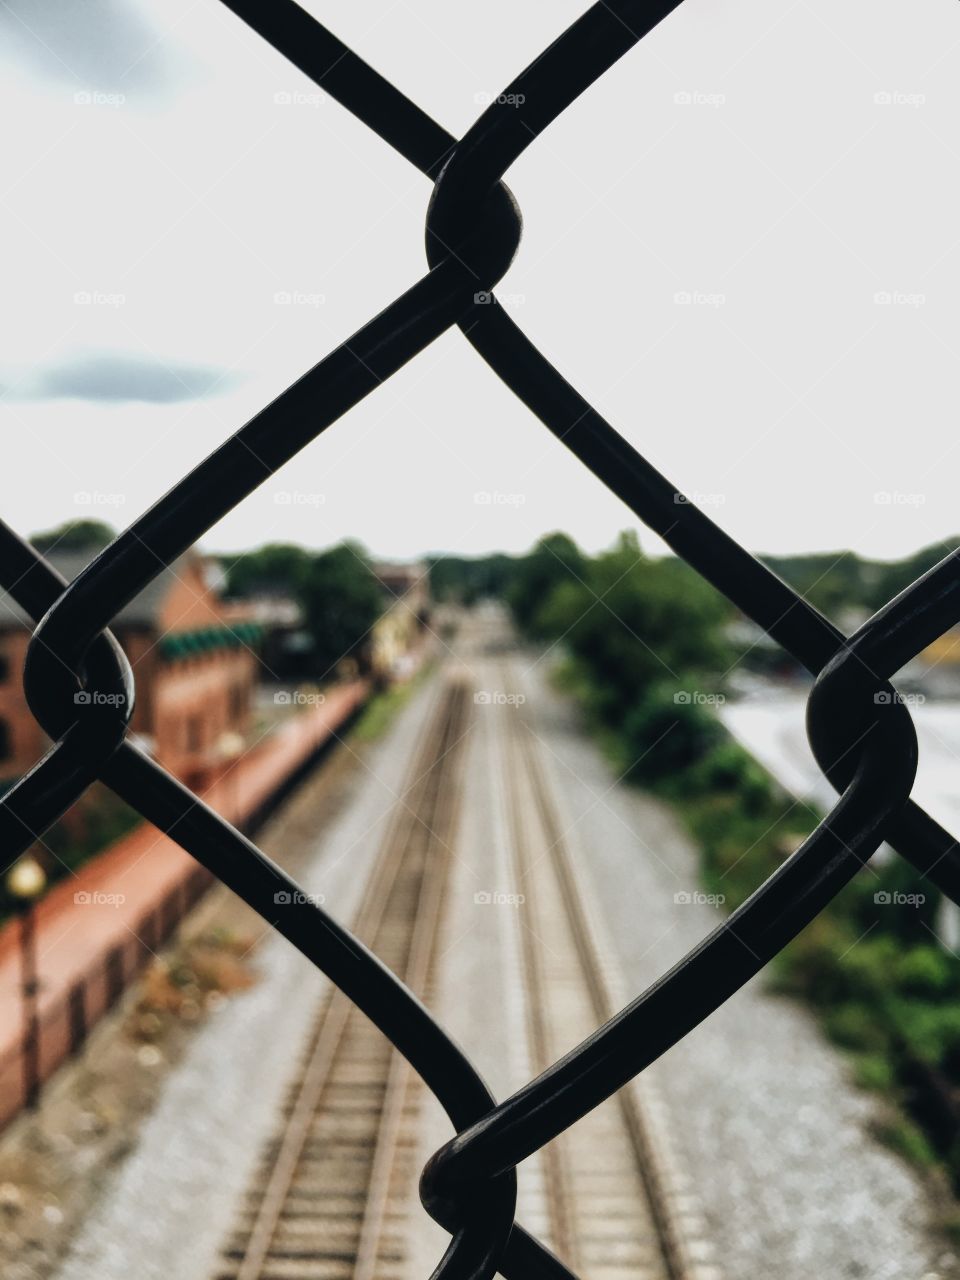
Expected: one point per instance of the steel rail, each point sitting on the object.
(438, 832)
(417, 810)
(605, 998)
(532, 946)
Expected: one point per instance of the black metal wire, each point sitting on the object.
(866, 745)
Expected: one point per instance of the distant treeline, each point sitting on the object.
(832, 581)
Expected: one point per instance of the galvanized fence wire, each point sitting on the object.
(861, 734)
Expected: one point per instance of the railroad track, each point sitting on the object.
(331, 1195)
(328, 1199)
(613, 1202)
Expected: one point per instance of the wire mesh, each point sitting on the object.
(861, 733)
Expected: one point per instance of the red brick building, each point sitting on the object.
(193, 659)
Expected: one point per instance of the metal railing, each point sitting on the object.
(861, 734)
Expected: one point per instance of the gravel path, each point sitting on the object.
(771, 1127)
(173, 1199)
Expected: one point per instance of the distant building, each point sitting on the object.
(193, 660)
(395, 636)
(286, 645)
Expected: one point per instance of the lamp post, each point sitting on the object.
(230, 747)
(26, 881)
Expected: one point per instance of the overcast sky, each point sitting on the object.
(743, 245)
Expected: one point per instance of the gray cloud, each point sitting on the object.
(126, 378)
(106, 45)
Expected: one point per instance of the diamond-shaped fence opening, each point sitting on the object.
(861, 733)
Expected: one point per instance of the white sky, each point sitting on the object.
(784, 186)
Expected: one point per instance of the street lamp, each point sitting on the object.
(230, 747)
(26, 881)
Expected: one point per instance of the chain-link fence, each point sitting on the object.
(860, 731)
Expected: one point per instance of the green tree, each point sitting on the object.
(632, 623)
(341, 600)
(555, 562)
(277, 568)
(466, 580)
(75, 535)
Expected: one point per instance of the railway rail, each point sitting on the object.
(327, 1199)
(331, 1195)
(617, 1204)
